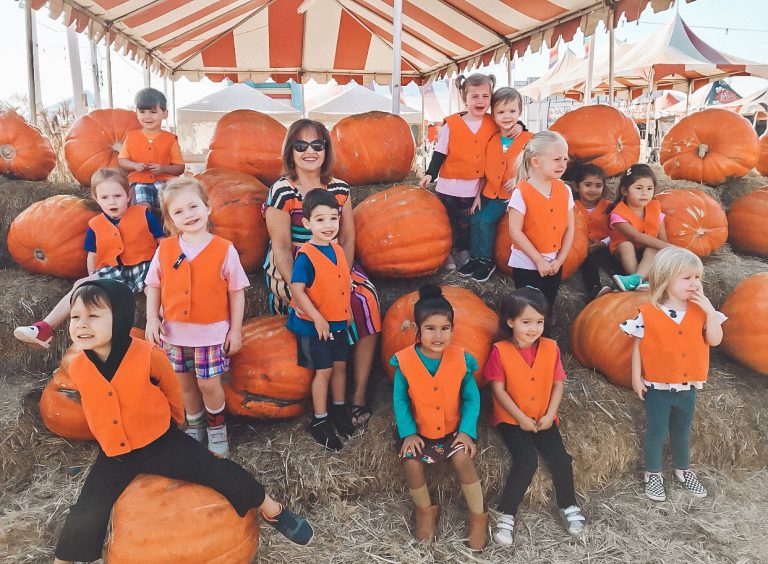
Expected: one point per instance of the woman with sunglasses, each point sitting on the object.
(307, 163)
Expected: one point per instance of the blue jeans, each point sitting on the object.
(483, 234)
(668, 412)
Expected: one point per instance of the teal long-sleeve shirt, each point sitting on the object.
(469, 404)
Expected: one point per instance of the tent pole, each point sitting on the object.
(421, 123)
(687, 97)
(611, 54)
(75, 71)
(108, 71)
(397, 38)
(31, 56)
(147, 76)
(510, 69)
(648, 112)
(590, 71)
(173, 102)
(95, 72)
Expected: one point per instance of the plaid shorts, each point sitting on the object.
(205, 362)
(147, 194)
(133, 276)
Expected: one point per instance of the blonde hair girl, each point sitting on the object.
(173, 189)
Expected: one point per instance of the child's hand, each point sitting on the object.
(701, 300)
(516, 130)
(233, 342)
(475, 204)
(413, 445)
(139, 167)
(323, 329)
(466, 441)
(154, 331)
(545, 422)
(639, 388)
(543, 266)
(156, 168)
(596, 245)
(527, 424)
(555, 266)
(426, 179)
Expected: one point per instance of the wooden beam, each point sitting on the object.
(95, 72)
(32, 87)
(76, 72)
(397, 42)
(108, 71)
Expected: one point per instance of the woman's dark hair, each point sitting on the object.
(514, 304)
(151, 98)
(294, 133)
(628, 178)
(315, 198)
(92, 295)
(431, 302)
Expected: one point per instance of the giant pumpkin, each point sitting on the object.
(710, 146)
(402, 232)
(746, 223)
(95, 139)
(693, 220)
(157, 519)
(250, 142)
(762, 161)
(47, 237)
(596, 340)
(600, 135)
(24, 152)
(266, 381)
(745, 334)
(235, 199)
(372, 148)
(475, 326)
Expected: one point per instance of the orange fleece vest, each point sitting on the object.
(672, 353)
(500, 166)
(332, 285)
(143, 150)
(466, 150)
(546, 219)
(434, 399)
(648, 224)
(194, 291)
(597, 219)
(130, 239)
(529, 387)
(128, 412)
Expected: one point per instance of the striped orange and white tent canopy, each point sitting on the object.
(339, 39)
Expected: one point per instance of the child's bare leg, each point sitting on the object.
(646, 262)
(339, 381)
(627, 257)
(212, 393)
(363, 355)
(270, 507)
(320, 390)
(414, 474)
(190, 393)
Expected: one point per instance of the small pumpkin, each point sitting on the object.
(596, 340)
(601, 135)
(709, 147)
(475, 326)
(745, 334)
(746, 223)
(372, 148)
(95, 139)
(24, 152)
(402, 232)
(250, 142)
(235, 199)
(266, 381)
(47, 237)
(693, 220)
(762, 161)
(157, 519)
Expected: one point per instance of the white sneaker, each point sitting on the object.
(449, 264)
(197, 432)
(461, 258)
(505, 528)
(30, 334)
(573, 520)
(218, 443)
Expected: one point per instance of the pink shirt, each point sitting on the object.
(615, 218)
(199, 334)
(459, 187)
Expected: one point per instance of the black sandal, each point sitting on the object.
(361, 414)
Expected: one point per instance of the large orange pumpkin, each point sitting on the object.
(746, 223)
(95, 139)
(266, 381)
(745, 334)
(24, 152)
(402, 232)
(710, 146)
(574, 259)
(600, 135)
(235, 199)
(596, 340)
(250, 142)
(762, 162)
(694, 220)
(475, 326)
(47, 237)
(157, 519)
(372, 148)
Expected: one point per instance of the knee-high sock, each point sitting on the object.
(474, 494)
(421, 496)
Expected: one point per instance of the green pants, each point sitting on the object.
(482, 237)
(668, 412)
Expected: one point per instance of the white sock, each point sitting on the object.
(680, 474)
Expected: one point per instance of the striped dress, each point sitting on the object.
(284, 196)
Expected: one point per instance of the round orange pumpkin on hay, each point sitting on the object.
(745, 333)
(746, 223)
(24, 152)
(694, 220)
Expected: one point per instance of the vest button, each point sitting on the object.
(435, 388)
(684, 355)
(438, 407)
(532, 398)
(122, 444)
(679, 332)
(114, 422)
(685, 374)
(438, 428)
(185, 312)
(109, 394)
(532, 379)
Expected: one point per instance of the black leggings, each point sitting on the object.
(590, 268)
(524, 446)
(174, 455)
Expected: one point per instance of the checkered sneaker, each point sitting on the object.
(691, 483)
(133, 275)
(654, 487)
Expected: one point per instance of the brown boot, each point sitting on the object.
(477, 535)
(426, 521)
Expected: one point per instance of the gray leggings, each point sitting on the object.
(668, 412)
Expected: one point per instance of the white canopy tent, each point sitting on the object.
(714, 94)
(356, 100)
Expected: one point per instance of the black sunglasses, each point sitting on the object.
(301, 146)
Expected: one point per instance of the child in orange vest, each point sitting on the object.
(132, 403)
(589, 184)
(526, 377)
(437, 403)
(670, 362)
(198, 280)
(120, 243)
(637, 227)
(150, 155)
(491, 202)
(320, 312)
(541, 215)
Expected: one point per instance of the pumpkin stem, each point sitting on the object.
(619, 145)
(703, 150)
(8, 152)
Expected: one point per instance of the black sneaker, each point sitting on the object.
(322, 431)
(341, 416)
(485, 267)
(293, 527)
(469, 268)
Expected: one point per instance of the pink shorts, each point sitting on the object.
(205, 362)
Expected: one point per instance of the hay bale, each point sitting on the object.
(724, 269)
